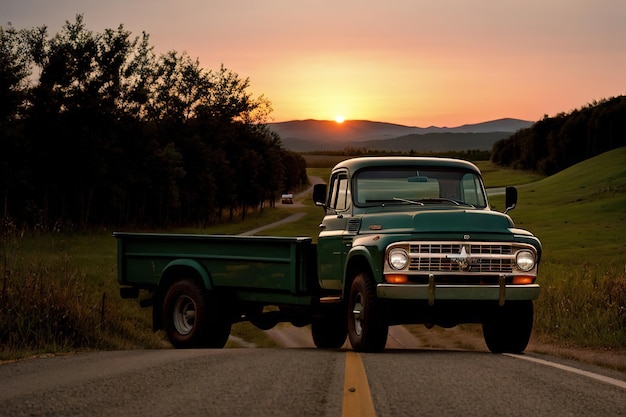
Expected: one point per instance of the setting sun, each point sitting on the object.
(339, 119)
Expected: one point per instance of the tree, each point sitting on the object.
(181, 85)
(106, 132)
(555, 143)
(14, 73)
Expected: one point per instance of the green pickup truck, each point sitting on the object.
(404, 240)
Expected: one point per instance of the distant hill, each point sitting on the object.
(555, 143)
(438, 142)
(312, 135)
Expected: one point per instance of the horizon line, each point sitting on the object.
(399, 124)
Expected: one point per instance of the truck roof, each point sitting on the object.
(356, 164)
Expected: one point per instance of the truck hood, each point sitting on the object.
(439, 221)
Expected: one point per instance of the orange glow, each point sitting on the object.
(523, 280)
(339, 119)
(467, 63)
(396, 279)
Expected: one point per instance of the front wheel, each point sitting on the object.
(508, 328)
(193, 317)
(367, 327)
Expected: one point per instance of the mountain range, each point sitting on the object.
(324, 135)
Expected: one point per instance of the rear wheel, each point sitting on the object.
(193, 317)
(367, 328)
(508, 328)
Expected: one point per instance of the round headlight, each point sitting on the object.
(525, 260)
(398, 258)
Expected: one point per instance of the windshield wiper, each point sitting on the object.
(444, 200)
(396, 200)
(404, 200)
(422, 201)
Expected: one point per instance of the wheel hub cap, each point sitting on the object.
(184, 315)
(356, 312)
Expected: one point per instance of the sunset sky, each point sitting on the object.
(411, 62)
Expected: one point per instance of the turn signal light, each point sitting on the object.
(523, 279)
(396, 279)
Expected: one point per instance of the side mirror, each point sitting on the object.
(510, 198)
(319, 195)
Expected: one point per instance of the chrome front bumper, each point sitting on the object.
(433, 292)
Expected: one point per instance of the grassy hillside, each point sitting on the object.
(579, 214)
(495, 176)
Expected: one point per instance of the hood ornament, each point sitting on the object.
(463, 259)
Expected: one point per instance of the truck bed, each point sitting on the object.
(254, 267)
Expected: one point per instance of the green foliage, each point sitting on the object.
(111, 134)
(555, 143)
(579, 216)
(583, 304)
(351, 152)
(14, 71)
(59, 294)
(579, 211)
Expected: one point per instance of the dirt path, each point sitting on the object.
(297, 198)
(297, 202)
(294, 217)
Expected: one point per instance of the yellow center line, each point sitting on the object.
(357, 399)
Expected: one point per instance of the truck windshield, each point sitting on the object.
(418, 186)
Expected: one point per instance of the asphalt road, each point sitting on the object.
(307, 382)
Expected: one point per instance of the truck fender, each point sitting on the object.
(180, 268)
(172, 271)
(358, 259)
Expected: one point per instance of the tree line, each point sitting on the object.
(96, 129)
(555, 143)
(352, 151)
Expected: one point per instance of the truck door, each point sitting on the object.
(333, 243)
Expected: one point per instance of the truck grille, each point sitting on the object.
(442, 257)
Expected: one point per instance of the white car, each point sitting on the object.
(287, 198)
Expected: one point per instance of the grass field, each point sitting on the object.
(59, 292)
(580, 218)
